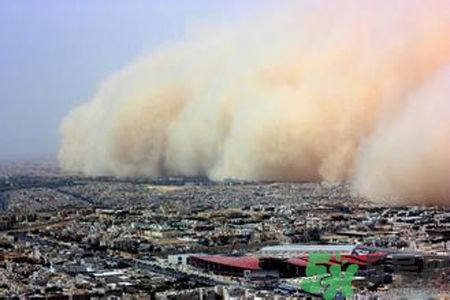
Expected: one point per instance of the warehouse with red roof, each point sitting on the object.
(282, 267)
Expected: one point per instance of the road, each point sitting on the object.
(58, 223)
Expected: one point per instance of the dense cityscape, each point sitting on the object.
(190, 238)
(236, 150)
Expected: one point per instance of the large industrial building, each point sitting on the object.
(266, 267)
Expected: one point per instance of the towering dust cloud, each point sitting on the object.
(339, 91)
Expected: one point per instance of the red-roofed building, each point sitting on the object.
(225, 265)
(297, 261)
(283, 267)
(249, 265)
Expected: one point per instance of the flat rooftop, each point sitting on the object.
(302, 248)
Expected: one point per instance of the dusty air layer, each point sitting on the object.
(354, 91)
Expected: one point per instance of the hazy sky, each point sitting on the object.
(53, 54)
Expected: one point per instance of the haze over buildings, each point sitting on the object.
(341, 91)
(250, 150)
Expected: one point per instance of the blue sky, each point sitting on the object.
(53, 54)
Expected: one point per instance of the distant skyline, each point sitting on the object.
(54, 54)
